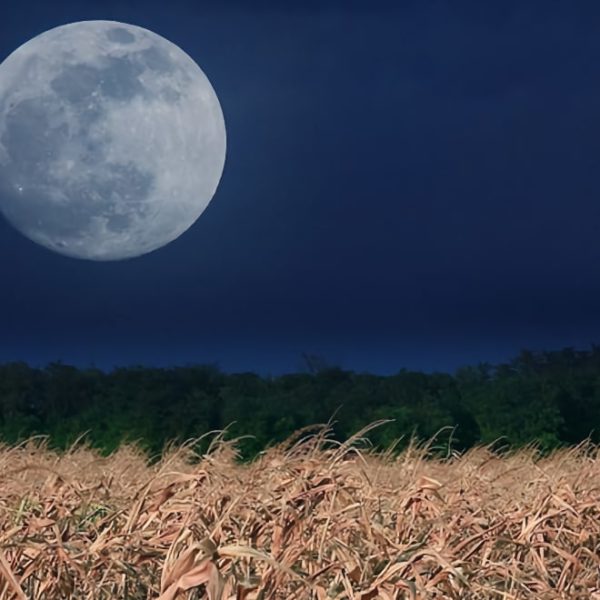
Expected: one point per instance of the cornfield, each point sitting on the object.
(310, 518)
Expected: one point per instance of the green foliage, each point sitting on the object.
(549, 398)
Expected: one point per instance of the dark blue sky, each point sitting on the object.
(404, 187)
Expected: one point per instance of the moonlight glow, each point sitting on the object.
(112, 140)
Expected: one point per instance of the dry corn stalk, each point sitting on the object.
(308, 519)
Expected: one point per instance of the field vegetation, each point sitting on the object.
(309, 518)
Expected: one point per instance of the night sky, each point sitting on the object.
(413, 187)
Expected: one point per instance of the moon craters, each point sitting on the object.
(112, 140)
(120, 35)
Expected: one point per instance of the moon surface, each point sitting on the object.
(112, 140)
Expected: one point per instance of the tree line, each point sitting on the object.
(549, 398)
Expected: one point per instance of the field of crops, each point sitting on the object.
(310, 518)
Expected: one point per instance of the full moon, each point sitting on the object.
(112, 140)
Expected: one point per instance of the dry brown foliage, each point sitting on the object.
(310, 518)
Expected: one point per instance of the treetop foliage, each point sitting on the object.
(549, 398)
